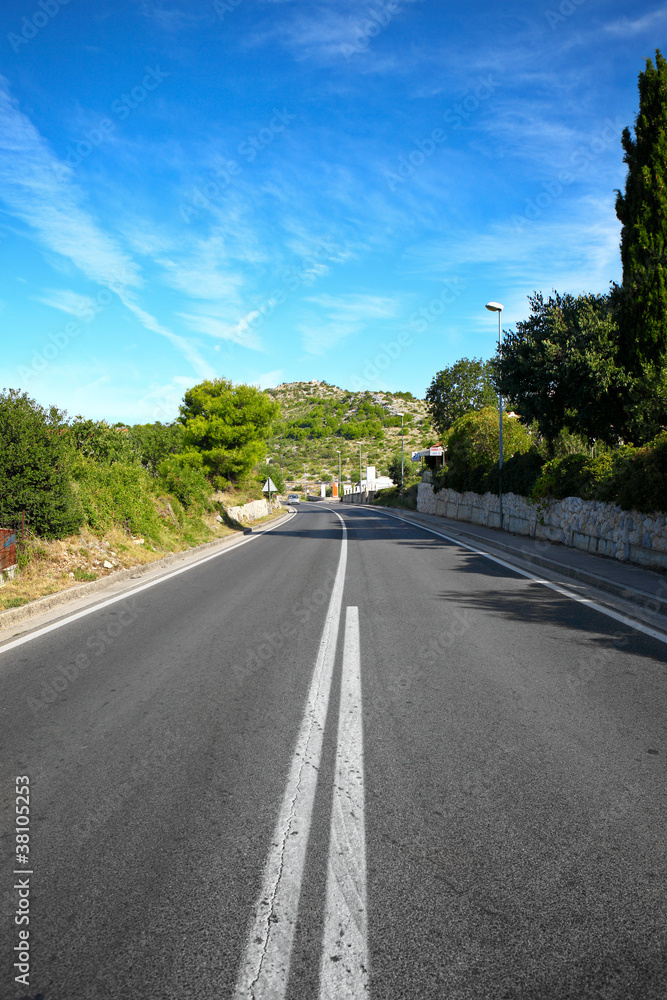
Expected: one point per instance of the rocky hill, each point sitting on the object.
(318, 418)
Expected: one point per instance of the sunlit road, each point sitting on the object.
(346, 759)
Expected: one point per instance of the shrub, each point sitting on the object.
(116, 494)
(638, 478)
(571, 476)
(34, 467)
(96, 439)
(183, 476)
(520, 473)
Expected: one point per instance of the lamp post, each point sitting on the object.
(360, 472)
(402, 439)
(497, 307)
(304, 480)
(340, 481)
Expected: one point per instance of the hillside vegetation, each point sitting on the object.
(318, 418)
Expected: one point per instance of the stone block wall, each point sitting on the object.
(590, 525)
(254, 510)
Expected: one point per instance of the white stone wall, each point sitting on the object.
(590, 525)
(254, 510)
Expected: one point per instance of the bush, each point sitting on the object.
(638, 478)
(391, 497)
(34, 467)
(571, 476)
(96, 439)
(183, 476)
(116, 495)
(156, 442)
(520, 473)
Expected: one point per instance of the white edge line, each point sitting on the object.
(660, 636)
(13, 643)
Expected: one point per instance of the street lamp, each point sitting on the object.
(360, 472)
(497, 307)
(304, 480)
(340, 481)
(402, 476)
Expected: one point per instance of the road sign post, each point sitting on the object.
(267, 487)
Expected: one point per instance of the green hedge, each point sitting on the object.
(632, 478)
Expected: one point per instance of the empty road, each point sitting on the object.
(346, 759)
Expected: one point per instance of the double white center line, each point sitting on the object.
(264, 970)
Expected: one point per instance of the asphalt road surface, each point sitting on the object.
(346, 759)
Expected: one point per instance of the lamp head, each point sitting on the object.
(494, 307)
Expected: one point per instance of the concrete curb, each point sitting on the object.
(650, 602)
(14, 615)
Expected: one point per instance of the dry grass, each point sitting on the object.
(66, 563)
(61, 565)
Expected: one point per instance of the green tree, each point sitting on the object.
(227, 424)
(411, 471)
(156, 442)
(34, 467)
(642, 211)
(641, 299)
(457, 390)
(474, 438)
(559, 368)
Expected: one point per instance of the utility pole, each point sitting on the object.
(402, 475)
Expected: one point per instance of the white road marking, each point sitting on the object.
(344, 966)
(130, 593)
(653, 633)
(265, 966)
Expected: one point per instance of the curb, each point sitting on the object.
(13, 615)
(650, 602)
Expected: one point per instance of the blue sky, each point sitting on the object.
(283, 190)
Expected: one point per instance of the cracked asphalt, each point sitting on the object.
(514, 755)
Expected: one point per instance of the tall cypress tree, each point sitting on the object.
(642, 210)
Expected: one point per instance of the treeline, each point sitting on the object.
(68, 473)
(585, 374)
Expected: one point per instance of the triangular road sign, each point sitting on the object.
(269, 486)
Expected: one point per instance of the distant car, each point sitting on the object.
(294, 498)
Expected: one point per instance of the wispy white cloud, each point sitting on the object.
(624, 26)
(330, 31)
(38, 189)
(355, 307)
(319, 338)
(68, 302)
(241, 332)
